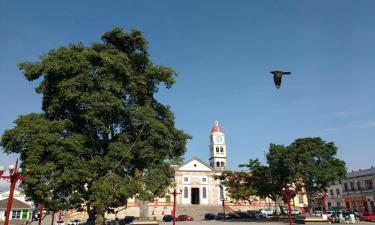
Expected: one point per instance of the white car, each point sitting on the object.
(266, 213)
(317, 213)
(60, 222)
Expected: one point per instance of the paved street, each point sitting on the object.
(216, 222)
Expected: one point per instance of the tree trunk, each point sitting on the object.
(99, 219)
(309, 204)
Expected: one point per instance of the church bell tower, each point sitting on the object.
(218, 149)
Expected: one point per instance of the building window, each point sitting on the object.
(16, 214)
(346, 187)
(329, 204)
(221, 149)
(300, 199)
(352, 186)
(359, 185)
(337, 191)
(221, 193)
(204, 194)
(331, 192)
(217, 164)
(368, 184)
(186, 192)
(186, 179)
(222, 164)
(217, 149)
(204, 180)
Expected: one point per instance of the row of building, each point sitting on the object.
(195, 180)
(356, 192)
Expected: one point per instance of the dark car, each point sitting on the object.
(220, 216)
(209, 216)
(184, 218)
(167, 218)
(128, 219)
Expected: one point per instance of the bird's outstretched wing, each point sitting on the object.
(286, 73)
(277, 81)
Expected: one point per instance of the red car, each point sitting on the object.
(367, 217)
(184, 218)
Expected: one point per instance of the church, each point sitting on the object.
(196, 179)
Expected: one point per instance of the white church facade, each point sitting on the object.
(196, 179)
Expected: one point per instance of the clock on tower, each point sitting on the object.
(218, 152)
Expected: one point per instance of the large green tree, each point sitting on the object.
(316, 163)
(235, 183)
(102, 136)
(311, 159)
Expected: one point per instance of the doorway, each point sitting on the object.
(195, 196)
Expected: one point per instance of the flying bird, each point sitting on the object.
(277, 75)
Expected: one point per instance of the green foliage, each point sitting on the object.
(316, 164)
(310, 159)
(102, 136)
(235, 183)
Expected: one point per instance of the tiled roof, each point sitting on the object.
(16, 204)
(361, 173)
(217, 128)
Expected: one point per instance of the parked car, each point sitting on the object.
(266, 213)
(296, 211)
(317, 213)
(233, 215)
(367, 217)
(245, 215)
(184, 218)
(209, 216)
(167, 218)
(74, 222)
(128, 219)
(220, 216)
(60, 222)
(329, 213)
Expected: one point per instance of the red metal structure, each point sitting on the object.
(175, 193)
(14, 176)
(288, 191)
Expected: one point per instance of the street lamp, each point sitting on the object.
(223, 200)
(288, 190)
(14, 176)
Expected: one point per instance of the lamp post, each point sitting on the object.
(288, 191)
(223, 204)
(14, 176)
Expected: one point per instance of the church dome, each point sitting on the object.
(217, 128)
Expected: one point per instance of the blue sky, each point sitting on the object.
(223, 52)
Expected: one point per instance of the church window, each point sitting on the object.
(186, 179)
(204, 180)
(204, 194)
(221, 149)
(217, 149)
(222, 164)
(217, 164)
(221, 193)
(186, 192)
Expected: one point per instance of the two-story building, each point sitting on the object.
(359, 190)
